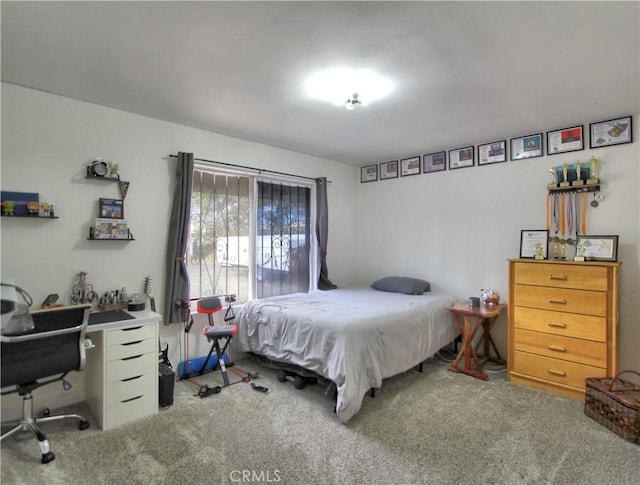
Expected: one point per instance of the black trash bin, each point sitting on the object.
(167, 378)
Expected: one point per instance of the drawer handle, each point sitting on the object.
(557, 325)
(130, 329)
(133, 398)
(131, 343)
(557, 373)
(555, 277)
(133, 357)
(132, 378)
(557, 349)
(559, 302)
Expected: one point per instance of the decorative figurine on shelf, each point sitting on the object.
(563, 249)
(32, 208)
(578, 180)
(554, 183)
(539, 254)
(565, 175)
(593, 177)
(8, 207)
(46, 209)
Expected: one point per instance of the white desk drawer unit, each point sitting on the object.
(122, 380)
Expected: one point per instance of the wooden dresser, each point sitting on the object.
(563, 324)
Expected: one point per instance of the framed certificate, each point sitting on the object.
(410, 166)
(611, 132)
(389, 170)
(534, 244)
(493, 152)
(529, 146)
(369, 173)
(565, 140)
(461, 157)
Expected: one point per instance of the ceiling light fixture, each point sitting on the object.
(359, 87)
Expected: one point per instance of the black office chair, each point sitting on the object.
(56, 345)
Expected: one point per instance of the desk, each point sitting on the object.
(485, 316)
(121, 375)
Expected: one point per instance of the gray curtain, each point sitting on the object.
(177, 278)
(322, 232)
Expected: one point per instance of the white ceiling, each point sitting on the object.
(464, 72)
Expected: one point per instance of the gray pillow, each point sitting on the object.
(402, 284)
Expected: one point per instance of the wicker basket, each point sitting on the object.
(615, 403)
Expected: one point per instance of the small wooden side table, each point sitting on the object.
(485, 316)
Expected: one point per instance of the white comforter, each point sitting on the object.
(354, 337)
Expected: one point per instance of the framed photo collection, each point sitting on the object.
(616, 131)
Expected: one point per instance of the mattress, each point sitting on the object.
(355, 337)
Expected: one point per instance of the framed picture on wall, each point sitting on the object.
(461, 157)
(111, 209)
(610, 132)
(389, 170)
(528, 146)
(493, 152)
(369, 173)
(410, 166)
(565, 140)
(434, 162)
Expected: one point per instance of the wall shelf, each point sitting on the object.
(29, 217)
(104, 179)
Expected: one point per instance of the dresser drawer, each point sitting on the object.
(554, 370)
(119, 391)
(130, 349)
(131, 334)
(560, 323)
(132, 409)
(118, 370)
(561, 299)
(582, 277)
(565, 348)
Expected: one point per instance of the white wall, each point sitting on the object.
(458, 228)
(47, 141)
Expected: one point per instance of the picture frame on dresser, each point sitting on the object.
(598, 248)
(534, 244)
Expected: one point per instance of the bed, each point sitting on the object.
(354, 337)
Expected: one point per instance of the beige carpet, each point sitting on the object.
(435, 427)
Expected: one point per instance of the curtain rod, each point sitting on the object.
(259, 170)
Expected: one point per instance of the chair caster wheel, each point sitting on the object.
(83, 425)
(299, 382)
(282, 376)
(48, 457)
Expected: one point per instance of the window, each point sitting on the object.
(249, 245)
